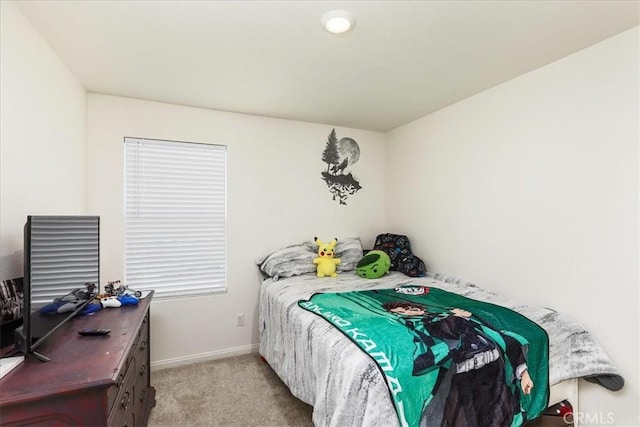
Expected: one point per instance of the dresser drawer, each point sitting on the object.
(142, 370)
(129, 395)
(114, 393)
(124, 404)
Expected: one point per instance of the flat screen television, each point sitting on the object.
(61, 255)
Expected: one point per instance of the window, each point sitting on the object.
(175, 217)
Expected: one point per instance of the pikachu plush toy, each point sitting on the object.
(326, 260)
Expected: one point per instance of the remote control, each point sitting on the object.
(94, 331)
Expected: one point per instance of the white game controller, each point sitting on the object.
(110, 302)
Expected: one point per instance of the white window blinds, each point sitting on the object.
(175, 217)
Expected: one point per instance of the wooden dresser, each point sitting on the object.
(90, 380)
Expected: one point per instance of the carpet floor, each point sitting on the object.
(236, 391)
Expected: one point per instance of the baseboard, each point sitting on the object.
(203, 357)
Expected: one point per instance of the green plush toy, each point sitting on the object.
(373, 265)
(325, 261)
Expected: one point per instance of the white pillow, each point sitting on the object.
(290, 261)
(349, 250)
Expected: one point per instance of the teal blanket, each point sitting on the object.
(447, 359)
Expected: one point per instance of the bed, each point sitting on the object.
(344, 385)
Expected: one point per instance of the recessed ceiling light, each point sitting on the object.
(338, 21)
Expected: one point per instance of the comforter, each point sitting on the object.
(325, 369)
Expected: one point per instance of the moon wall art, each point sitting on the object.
(340, 154)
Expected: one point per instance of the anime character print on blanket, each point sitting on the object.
(448, 360)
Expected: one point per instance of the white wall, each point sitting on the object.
(42, 150)
(531, 189)
(275, 198)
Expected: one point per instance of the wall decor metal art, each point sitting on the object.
(339, 154)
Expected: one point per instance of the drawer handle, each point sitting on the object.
(125, 400)
(120, 380)
(143, 346)
(143, 368)
(143, 395)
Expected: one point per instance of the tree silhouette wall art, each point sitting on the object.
(339, 154)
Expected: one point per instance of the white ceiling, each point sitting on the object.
(403, 59)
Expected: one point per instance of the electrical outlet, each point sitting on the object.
(240, 319)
